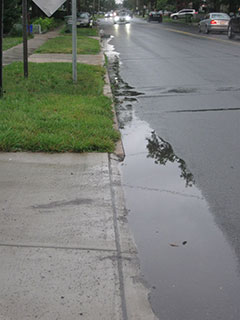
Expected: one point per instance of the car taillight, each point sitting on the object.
(196, 12)
(213, 22)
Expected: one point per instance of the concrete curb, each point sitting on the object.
(119, 149)
(135, 303)
(134, 292)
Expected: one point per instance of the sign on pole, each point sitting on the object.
(49, 6)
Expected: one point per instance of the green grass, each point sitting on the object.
(47, 112)
(10, 42)
(63, 44)
(88, 32)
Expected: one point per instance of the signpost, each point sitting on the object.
(74, 40)
(1, 54)
(25, 38)
(49, 7)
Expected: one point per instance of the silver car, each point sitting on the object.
(84, 19)
(215, 21)
(183, 14)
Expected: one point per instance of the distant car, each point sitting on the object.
(84, 19)
(215, 21)
(155, 16)
(108, 15)
(122, 17)
(183, 13)
(233, 26)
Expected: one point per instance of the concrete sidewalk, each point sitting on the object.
(66, 250)
(16, 53)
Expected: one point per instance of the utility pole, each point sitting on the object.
(1, 48)
(74, 40)
(25, 37)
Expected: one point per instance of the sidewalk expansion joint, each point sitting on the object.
(16, 245)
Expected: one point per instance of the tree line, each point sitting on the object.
(175, 5)
(13, 10)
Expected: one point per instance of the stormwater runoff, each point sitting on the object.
(188, 264)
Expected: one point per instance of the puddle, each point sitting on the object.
(124, 95)
(187, 262)
(184, 255)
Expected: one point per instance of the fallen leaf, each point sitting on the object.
(173, 245)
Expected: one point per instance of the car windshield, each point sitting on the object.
(220, 16)
(83, 15)
(122, 14)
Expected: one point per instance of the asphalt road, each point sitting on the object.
(178, 96)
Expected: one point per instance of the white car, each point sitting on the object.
(183, 13)
(122, 17)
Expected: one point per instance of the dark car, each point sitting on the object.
(155, 16)
(233, 27)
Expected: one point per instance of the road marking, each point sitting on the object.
(201, 36)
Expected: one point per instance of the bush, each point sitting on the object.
(46, 23)
(16, 30)
(11, 15)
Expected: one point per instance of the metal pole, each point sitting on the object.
(1, 49)
(74, 40)
(25, 38)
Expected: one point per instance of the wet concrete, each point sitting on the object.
(179, 209)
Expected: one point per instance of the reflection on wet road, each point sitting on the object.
(162, 152)
(179, 210)
(184, 256)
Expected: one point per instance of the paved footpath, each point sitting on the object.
(16, 53)
(66, 250)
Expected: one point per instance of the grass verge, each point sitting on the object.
(10, 42)
(87, 32)
(47, 112)
(63, 43)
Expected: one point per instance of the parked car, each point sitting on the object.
(167, 13)
(122, 17)
(215, 21)
(183, 13)
(84, 19)
(233, 26)
(155, 16)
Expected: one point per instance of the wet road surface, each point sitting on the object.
(177, 98)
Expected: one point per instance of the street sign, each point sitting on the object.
(49, 6)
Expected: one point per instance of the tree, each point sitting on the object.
(12, 14)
